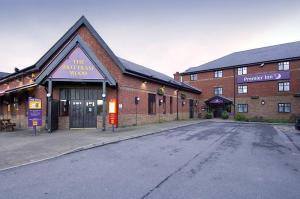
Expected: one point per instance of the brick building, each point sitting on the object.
(78, 77)
(262, 84)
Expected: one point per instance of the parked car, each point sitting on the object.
(297, 125)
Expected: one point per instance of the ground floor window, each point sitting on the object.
(242, 108)
(171, 105)
(284, 107)
(164, 105)
(151, 103)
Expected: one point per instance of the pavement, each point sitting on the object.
(22, 147)
(207, 160)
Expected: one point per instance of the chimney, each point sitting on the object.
(177, 76)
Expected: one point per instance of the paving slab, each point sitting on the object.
(22, 147)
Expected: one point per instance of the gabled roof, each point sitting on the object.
(125, 66)
(136, 69)
(268, 54)
(76, 41)
(218, 100)
(3, 74)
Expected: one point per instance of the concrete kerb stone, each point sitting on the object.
(94, 145)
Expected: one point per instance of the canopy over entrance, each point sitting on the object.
(217, 105)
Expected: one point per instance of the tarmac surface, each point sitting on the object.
(207, 160)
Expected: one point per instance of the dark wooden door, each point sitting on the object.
(191, 108)
(90, 114)
(54, 115)
(77, 114)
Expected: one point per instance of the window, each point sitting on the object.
(151, 103)
(14, 106)
(218, 91)
(283, 86)
(242, 108)
(193, 77)
(242, 71)
(171, 105)
(180, 78)
(218, 74)
(284, 107)
(284, 66)
(242, 89)
(164, 105)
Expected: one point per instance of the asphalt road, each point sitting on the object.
(207, 160)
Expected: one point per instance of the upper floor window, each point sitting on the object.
(180, 78)
(218, 74)
(284, 65)
(242, 89)
(242, 71)
(283, 86)
(218, 91)
(284, 107)
(193, 77)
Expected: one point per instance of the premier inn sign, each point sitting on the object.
(261, 77)
(77, 66)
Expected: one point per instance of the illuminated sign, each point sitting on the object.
(34, 112)
(260, 77)
(112, 112)
(77, 66)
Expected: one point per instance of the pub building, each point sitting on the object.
(80, 80)
(261, 84)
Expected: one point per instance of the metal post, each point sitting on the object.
(104, 105)
(177, 117)
(49, 95)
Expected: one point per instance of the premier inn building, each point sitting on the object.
(80, 79)
(262, 84)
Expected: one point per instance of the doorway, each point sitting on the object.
(83, 114)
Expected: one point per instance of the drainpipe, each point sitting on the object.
(234, 88)
(49, 95)
(177, 105)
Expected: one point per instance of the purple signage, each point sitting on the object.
(216, 101)
(77, 66)
(260, 77)
(34, 112)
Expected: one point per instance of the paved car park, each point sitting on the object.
(205, 160)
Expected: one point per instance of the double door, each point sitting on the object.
(83, 114)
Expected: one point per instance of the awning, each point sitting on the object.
(218, 100)
(17, 89)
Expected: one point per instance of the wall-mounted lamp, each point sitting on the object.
(103, 95)
(160, 101)
(262, 102)
(145, 82)
(183, 103)
(136, 100)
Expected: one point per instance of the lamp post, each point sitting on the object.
(136, 101)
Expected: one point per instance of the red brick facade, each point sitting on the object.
(266, 91)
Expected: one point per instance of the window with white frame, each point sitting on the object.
(180, 78)
(242, 89)
(242, 108)
(283, 86)
(218, 74)
(284, 65)
(218, 91)
(284, 107)
(242, 71)
(193, 77)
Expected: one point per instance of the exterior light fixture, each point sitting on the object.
(145, 82)
(183, 103)
(103, 95)
(160, 101)
(262, 102)
(136, 100)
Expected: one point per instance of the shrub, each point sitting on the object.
(225, 115)
(208, 115)
(240, 117)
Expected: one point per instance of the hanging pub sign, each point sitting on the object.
(34, 112)
(77, 66)
(112, 112)
(261, 77)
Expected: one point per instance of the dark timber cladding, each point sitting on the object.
(80, 76)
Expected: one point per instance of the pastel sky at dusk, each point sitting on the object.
(165, 35)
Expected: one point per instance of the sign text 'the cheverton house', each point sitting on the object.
(77, 66)
(260, 77)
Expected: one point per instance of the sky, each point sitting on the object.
(165, 35)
